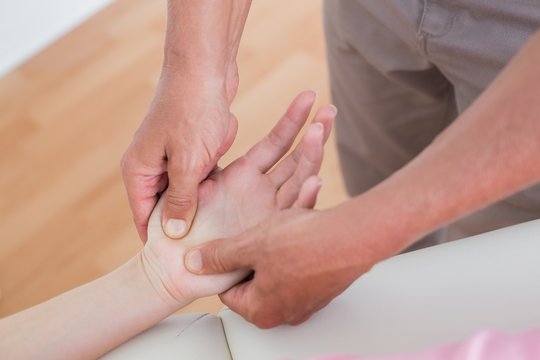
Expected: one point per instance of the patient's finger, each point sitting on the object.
(308, 165)
(307, 197)
(325, 116)
(267, 152)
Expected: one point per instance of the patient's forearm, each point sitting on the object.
(88, 321)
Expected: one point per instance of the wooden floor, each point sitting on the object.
(68, 114)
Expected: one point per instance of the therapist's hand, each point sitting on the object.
(300, 261)
(188, 126)
(187, 129)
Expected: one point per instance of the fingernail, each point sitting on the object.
(175, 228)
(317, 127)
(334, 109)
(194, 261)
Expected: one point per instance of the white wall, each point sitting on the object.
(28, 26)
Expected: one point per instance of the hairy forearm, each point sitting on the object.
(90, 320)
(488, 153)
(203, 36)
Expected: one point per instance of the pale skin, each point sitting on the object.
(92, 319)
(489, 152)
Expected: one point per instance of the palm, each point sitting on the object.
(221, 213)
(237, 198)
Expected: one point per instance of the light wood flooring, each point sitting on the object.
(68, 114)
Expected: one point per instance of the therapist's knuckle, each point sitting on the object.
(244, 248)
(216, 259)
(127, 162)
(180, 201)
(264, 319)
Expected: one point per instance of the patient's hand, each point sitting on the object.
(239, 197)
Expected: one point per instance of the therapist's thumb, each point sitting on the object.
(180, 199)
(217, 257)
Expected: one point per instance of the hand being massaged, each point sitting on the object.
(94, 318)
(239, 197)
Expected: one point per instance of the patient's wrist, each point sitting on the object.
(155, 276)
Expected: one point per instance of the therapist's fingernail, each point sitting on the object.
(194, 261)
(334, 109)
(175, 228)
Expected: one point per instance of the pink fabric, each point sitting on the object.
(482, 346)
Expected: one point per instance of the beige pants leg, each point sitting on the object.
(401, 71)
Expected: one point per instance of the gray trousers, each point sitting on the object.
(402, 70)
